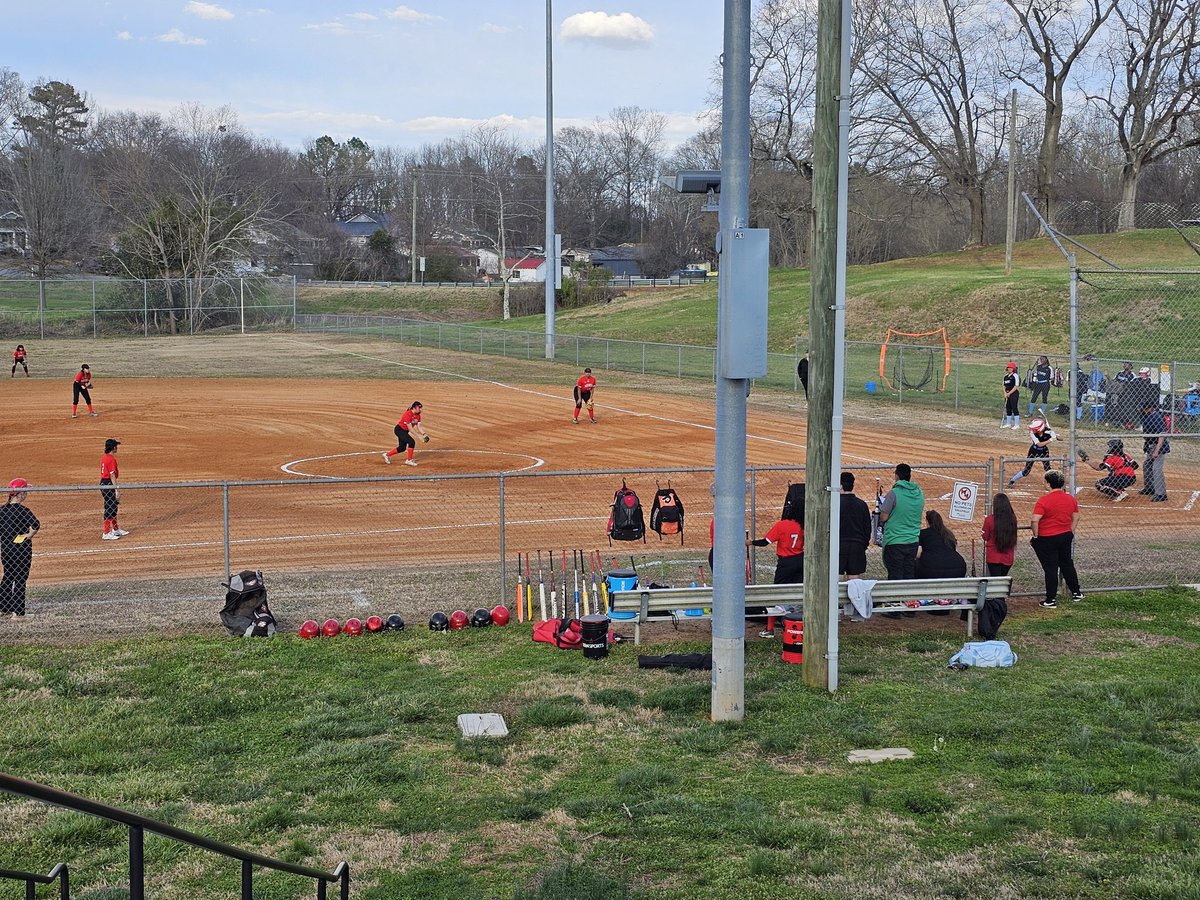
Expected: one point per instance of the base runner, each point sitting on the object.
(405, 442)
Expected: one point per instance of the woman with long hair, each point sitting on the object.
(1000, 536)
(937, 550)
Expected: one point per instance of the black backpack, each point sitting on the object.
(246, 612)
(793, 503)
(666, 513)
(626, 522)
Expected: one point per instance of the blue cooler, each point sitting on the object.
(621, 580)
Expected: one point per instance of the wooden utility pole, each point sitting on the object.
(1010, 232)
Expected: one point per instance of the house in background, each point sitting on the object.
(623, 261)
(527, 270)
(358, 229)
(13, 236)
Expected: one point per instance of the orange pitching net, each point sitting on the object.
(914, 359)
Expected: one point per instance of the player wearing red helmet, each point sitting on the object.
(17, 527)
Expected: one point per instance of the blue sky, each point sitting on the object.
(392, 74)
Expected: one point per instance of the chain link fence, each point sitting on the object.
(104, 307)
(418, 543)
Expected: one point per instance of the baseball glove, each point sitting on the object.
(590, 405)
(1083, 455)
(424, 439)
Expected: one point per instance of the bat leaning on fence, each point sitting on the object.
(596, 586)
(520, 607)
(541, 587)
(553, 596)
(576, 570)
(587, 611)
(528, 590)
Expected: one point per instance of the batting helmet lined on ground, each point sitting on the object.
(394, 623)
(353, 627)
(500, 615)
(439, 621)
(458, 620)
(309, 629)
(481, 618)
(374, 623)
(331, 628)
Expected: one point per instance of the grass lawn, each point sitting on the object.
(1074, 774)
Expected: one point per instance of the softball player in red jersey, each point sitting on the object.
(83, 381)
(19, 359)
(111, 494)
(585, 387)
(405, 441)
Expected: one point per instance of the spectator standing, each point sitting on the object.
(1040, 377)
(1116, 397)
(17, 527)
(999, 536)
(1156, 446)
(855, 531)
(1136, 395)
(900, 513)
(1055, 517)
(802, 372)
(1012, 397)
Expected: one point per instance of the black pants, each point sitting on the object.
(1054, 553)
(901, 561)
(404, 439)
(78, 391)
(997, 568)
(1039, 389)
(12, 586)
(1011, 404)
(111, 503)
(789, 569)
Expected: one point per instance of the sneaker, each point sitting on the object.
(410, 462)
(766, 634)
(1049, 604)
(1121, 496)
(111, 536)
(593, 421)
(120, 532)
(74, 415)
(1161, 498)
(574, 421)
(1077, 596)
(93, 414)
(387, 459)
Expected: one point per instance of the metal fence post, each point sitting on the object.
(957, 368)
(502, 549)
(145, 308)
(643, 357)
(137, 863)
(225, 511)
(679, 361)
(247, 880)
(753, 523)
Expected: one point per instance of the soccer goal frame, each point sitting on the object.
(895, 336)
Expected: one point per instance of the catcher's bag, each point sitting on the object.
(666, 513)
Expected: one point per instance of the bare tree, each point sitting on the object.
(1057, 32)
(632, 139)
(935, 79)
(1152, 96)
(340, 174)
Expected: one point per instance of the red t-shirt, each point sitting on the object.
(18, 355)
(992, 553)
(585, 382)
(1118, 464)
(1056, 509)
(787, 536)
(108, 466)
(83, 379)
(410, 416)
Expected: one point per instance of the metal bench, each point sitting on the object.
(917, 595)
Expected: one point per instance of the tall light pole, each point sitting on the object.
(552, 267)
(412, 248)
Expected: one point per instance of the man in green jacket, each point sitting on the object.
(901, 512)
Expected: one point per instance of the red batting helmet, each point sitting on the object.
(16, 486)
(309, 629)
(374, 623)
(458, 619)
(331, 628)
(500, 615)
(1012, 367)
(353, 627)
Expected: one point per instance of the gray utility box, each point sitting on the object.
(742, 303)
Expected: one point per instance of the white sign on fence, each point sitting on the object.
(962, 501)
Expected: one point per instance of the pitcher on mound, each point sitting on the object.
(405, 441)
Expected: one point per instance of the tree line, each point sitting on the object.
(1108, 116)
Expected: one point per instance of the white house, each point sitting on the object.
(13, 236)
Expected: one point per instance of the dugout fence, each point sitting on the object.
(416, 543)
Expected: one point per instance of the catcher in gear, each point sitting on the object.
(1121, 469)
(404, 440)
(585, 389)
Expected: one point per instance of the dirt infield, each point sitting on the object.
(185, 413)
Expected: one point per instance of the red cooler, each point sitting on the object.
(793, 638)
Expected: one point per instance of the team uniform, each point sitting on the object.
(1039, 385)
(82, 388)
(17, 526)
(405, 442)
(20, 358)
(1039, 449)
(788, 537)
(1012, 397)
(1121, 475)
(584, 389)
(109, 473)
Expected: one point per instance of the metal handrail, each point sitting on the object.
(59, 873)
(138, 825)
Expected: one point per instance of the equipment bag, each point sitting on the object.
(666, 513)
(565, 634)
(984, 655)
(246, 612)
(626, 522)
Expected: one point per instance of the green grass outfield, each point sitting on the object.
(1074, 774)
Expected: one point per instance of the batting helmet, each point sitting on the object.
(458, 619)
(439, 621)
(353, 627)
(1037, 424)
(309, 629)
(1116, 445)
(500, 615)
(374, 623)
(1012, 367)
(481, 618)
(394, 623)
(331, 628)
(16, 486)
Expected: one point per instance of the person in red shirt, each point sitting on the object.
(1055, 516)
(1000, 536)
(110, 493)
(585, 389)
(1121, 469)
(81, 388)
(408, 422)
(19, 359)
(788, 537)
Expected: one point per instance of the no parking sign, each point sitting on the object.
(962, 501)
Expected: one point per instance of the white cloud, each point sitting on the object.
(497, 29)
(620, 30)
(124, 36)
(364, 16)
(208, 11)
(175, 36)
(332, 27)
(408, 14)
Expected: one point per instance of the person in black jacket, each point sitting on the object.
(802, 373)
(937, 550)
(855, 533)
